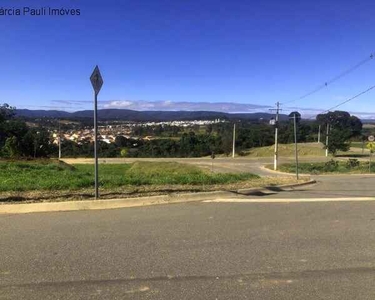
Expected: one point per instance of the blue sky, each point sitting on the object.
(152, 53)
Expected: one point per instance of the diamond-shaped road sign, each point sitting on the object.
(96, 80)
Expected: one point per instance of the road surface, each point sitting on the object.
(192, 251)
(331, 186)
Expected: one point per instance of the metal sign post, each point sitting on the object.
(369, 163)
(371, 147)
(97, 82)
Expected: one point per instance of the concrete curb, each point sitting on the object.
(311, 181)
(109, 204)
(316, 175)
(283, 173)
(273, 189)
(132, 202)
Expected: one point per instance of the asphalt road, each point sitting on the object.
(192, 251)
(331, 186)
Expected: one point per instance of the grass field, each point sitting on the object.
(351, 166)
(304, 149)
(47, 175)
(357, 144)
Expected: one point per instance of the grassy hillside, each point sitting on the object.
(304, 149)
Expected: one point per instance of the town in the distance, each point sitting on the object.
(126, 133)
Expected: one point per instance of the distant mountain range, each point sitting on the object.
(144, 116)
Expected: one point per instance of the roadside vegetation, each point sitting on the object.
(46, 175)
(304, 149)
(51, 180)
(333, 166)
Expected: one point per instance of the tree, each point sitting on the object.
(42, 146)
(17, 139)
(12, 147)
(121, 141)
(342, 127)
(6, 112)
(227, 143)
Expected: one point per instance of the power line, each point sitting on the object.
(346, 101)
(350, 99)
(332, 80)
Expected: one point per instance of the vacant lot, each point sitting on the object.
(45, 175)
(46, 180)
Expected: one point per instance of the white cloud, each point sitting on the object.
(188, 106)
(167, 103)
(118, 104)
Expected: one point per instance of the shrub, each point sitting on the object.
(124, 152)
(352, 163)
(331, 166)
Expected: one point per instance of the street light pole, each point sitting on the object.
(295, 142)
(319, 135)
(59, 140)
(234, 139)
(295, 115)
(327, 139)
(275, 160)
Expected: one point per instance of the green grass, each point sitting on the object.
(304, 149)
(350, 166)
(357, 144)
(48, 175)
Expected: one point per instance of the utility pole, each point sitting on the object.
(59, 141)
(327, 139)
(319, 135)
(275, 161)
(234, 139)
